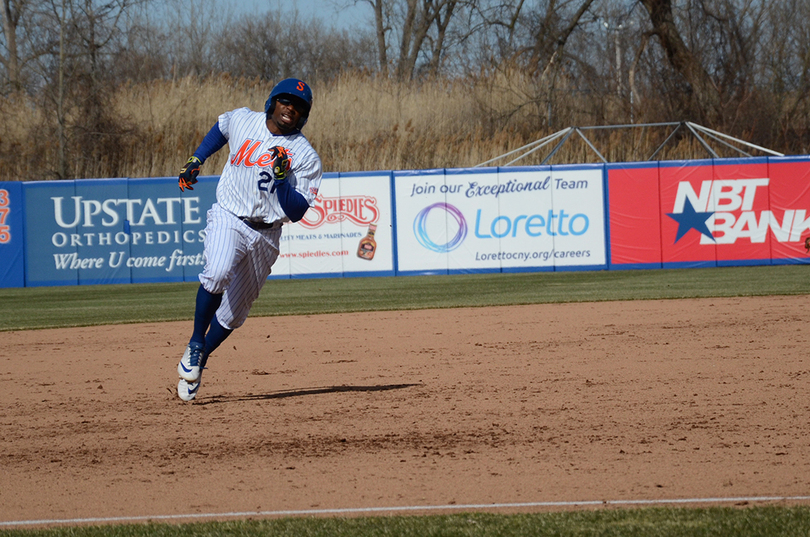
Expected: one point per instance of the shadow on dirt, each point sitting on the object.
(282, 394)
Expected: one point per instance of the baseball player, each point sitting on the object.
(272, 176)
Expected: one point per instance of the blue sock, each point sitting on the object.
(215, 336)
(207, 304)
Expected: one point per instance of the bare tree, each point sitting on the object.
(268, 47)
(381, 28)
(551, 35)
(682, 58)
(140, 54)
(21, 42)
(785, 74)
(12, 10)
(76, 40)
(437, 42)
(192, 28)
(420, 29)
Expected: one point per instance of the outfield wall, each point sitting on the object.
(446, 221)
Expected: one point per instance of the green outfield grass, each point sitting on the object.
(51, 307)
(106, 304)
(763, 521)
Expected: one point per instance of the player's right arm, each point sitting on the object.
(213, 142)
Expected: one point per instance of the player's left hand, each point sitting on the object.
(281, 165)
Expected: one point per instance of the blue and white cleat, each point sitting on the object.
(188, 390)
(191, 363)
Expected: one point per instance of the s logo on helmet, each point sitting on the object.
(301, 85)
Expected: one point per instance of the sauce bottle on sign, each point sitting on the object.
(368, 245)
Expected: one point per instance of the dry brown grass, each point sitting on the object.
(359, 123)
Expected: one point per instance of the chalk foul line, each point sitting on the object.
(404, 509)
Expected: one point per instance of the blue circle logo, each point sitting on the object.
(420, 231)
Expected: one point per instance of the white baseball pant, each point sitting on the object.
(238, 260)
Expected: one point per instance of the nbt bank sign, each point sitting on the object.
(708, 213)
(724, 211)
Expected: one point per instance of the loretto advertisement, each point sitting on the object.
(457, 221)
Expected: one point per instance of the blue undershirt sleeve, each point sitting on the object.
(293, 203)
(213, 142)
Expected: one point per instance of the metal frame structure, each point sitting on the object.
(696, 130)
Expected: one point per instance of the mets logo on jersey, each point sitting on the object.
(249, 155)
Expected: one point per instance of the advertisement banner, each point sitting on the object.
(789, 191)
(578, 197)
(114, 231)
(742, 218)
(167, 235)
(94, 231)
(347, 233)
(51, 239)
(634, 216)
(12, 251)
(421, 202)
(669, 214)
(509, 219)
(684, 214)
(731, 212)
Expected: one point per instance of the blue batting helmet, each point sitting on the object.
(295, 88)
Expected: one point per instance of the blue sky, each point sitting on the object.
(333, 12)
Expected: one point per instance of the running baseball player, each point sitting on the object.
(272, 176)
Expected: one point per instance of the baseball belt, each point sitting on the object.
(260, 225)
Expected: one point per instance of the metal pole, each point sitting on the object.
(533, 150)
(701, 140)
(542, 142)
(707, 131)
(559, 145)
(665, 142)
(592, 146)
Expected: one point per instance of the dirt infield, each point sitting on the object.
(568, 402)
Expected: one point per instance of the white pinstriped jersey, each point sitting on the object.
(246, 181)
